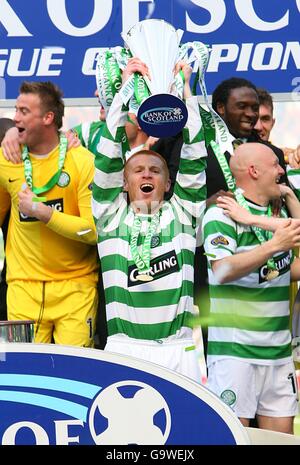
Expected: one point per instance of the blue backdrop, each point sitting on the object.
(57, 39)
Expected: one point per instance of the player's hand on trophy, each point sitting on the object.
(135, 65)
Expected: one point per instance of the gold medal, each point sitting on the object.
(272, 274)
(144, 277)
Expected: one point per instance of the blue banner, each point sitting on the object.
(57, 40)
(56, 395)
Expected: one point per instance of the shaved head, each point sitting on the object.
(247, 155)
(257, 171)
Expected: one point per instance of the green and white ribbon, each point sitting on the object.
(231, 184)
(213, 125)
(108, 76)
(110, 63)
(179, 77)
(63, 146)
(127, 90)
(222, 134)
(142, 260)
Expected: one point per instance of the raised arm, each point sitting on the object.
(190, 185)
(109, 161)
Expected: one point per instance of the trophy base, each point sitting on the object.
(17, 331)
(162, 115)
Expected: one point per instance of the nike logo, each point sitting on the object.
(12, 180)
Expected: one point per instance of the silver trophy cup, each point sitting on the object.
(156, 43)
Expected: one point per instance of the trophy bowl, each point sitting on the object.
(156, 43)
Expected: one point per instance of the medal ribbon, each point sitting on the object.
(222, 133)
(230, 181)
(63, 145)
(142, 260)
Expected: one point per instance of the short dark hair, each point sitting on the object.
(222, 91)
(50, 95)
(5, 124)
(265, 98)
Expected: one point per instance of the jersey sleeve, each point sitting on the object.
(293, 176)
(86, 132)
(80, 228)
(219, 233)
(109, 162)
(83, 133)
(190, 185)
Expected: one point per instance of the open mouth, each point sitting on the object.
(147, 188)
(247, 123)
(21, 130)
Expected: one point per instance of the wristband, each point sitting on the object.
(39, 199)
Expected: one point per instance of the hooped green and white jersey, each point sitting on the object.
(162, 308)
(89, 134)
(293, 176)
(249, 316)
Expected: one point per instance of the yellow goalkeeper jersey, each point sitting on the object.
(64, 248)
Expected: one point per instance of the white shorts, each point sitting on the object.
(178, 355)
(249, 389)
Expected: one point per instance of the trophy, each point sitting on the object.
(156, 43)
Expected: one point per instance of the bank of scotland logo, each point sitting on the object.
(177, 111)
(129, 412)
(162, 115)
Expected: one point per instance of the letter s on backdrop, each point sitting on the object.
(217, 10)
